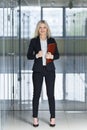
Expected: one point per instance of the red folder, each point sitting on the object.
(51, 48)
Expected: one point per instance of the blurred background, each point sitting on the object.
(68, 23)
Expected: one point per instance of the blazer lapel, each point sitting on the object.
(38, 44)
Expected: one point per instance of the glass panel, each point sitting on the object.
(75, 88)
(76, 22)
(6, 26)
(6, 93)
(29, 17)
(8, 63)
(13, 92)
(8, 57)
(54, 17)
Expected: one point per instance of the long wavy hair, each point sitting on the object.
(37, 28)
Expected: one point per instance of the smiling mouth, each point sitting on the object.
(42, 31)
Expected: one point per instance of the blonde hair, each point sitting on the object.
(37, 28)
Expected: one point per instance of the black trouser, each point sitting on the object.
(37, 83)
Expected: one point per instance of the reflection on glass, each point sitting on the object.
(75, 87)
(6, 87)
(76, 22)
(29, 17)
(9, 17)
(6, 22)
(54, 17)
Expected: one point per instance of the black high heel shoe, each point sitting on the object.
(52, 125)
(36, 125)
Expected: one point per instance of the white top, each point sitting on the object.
(44, 50)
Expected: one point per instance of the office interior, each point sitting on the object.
(68, 23)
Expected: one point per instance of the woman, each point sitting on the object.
(43, 67)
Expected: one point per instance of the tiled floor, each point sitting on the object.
(22, 120)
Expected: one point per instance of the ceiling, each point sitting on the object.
(63, 3)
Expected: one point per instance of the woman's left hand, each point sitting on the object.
(49, 55)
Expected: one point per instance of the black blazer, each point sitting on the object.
(34, 48)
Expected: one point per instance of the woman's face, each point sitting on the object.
(43, 29)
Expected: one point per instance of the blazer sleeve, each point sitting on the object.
(31, 52)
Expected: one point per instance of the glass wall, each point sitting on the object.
(17, 28)
(8, 56)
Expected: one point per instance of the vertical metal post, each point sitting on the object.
(64, 71)
(19, 3)
(64, 21)
(13, 57)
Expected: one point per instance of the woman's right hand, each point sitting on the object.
(39, 54)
